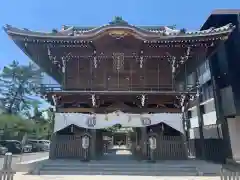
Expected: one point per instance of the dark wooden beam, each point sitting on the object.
(130, 110)
(173, 93)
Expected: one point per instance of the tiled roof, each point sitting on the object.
(147, 31)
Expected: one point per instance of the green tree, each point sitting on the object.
(17, 84)
(114, 128)
(15, 126)
(43, 123)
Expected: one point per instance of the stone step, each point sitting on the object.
(147, 169)
(178, 168)
(129, 173)
(120, 163)
(116, 169)
(143, 165)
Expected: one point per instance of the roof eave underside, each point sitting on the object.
(46, 69)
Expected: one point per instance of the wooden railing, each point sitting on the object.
(7, 173)
(113, 87)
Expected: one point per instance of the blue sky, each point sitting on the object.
(44, 15)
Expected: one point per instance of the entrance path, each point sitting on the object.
(118, 153)
(21, 176)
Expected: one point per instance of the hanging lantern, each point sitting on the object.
(153, 142)
(85, 141)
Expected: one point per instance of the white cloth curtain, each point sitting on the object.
(99, 121)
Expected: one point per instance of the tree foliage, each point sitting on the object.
(17, 84)
(114, 128)
(14, 126)
(43, 123)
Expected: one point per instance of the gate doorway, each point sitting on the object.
(118, 143)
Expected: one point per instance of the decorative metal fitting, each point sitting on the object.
(95, 59)
(143, 98)
(64, 64)
(93, 100)
(141, 59)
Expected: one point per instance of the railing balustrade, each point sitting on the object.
(7, 172)
(230, 172)
(112, 87)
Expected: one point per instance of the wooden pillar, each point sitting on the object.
(200, 123)
(52, 151)
(98, 143)
(184, 134)
(144, 142)
(93, 144)
(221, 119)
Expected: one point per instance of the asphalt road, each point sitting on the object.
(17, 158)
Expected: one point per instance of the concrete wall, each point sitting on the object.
(234, 132)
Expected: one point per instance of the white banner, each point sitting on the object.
(99, 121)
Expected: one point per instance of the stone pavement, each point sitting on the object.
(21, 176)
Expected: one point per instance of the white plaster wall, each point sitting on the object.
(234, 132)
(194, 122)
(210, 118)
(194, 119)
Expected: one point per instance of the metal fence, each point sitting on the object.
(7, 172)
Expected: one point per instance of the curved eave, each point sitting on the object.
(145, 36)
(46, 68)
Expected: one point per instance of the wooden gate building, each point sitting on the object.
(120, 67)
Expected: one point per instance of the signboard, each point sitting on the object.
(153, 143)
(91, 121)
(85, 142)
(145, 121)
